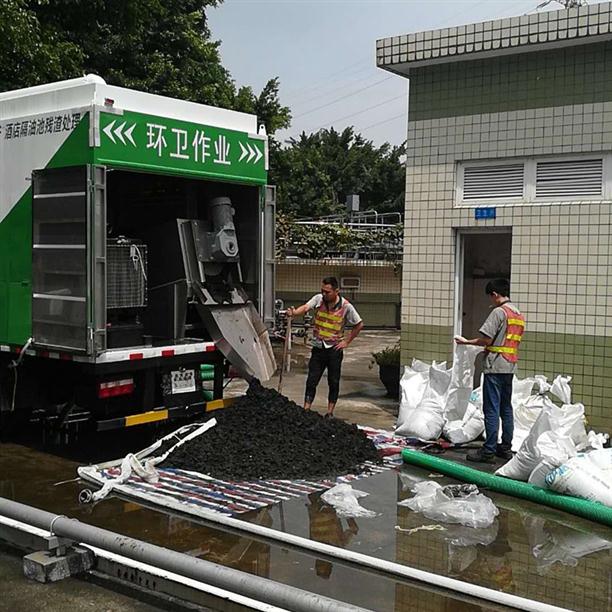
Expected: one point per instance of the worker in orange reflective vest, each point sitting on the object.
(332, 313)
(501, 335)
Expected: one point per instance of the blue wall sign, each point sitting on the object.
(484, 213)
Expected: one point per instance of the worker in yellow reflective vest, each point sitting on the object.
(332, 313)
(501, 335)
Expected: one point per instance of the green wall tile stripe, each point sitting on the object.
(574, 75)
(591, 379)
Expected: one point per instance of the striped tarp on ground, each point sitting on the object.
(194, 491)
(201, 491)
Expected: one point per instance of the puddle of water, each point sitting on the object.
(530, 551)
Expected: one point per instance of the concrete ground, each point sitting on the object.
(531, 551)
(19, 594)
(363, 399)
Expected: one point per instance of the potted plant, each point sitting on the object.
(388, 361)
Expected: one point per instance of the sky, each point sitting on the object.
(323, 51)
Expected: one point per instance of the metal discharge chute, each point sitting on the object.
(212, 267)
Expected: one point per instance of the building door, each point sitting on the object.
(481, 256)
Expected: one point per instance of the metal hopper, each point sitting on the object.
(211, 259)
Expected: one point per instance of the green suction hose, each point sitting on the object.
(593, 511)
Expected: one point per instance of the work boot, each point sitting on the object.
(504, 453)
(481, 456)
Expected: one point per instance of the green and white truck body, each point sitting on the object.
(95, 294)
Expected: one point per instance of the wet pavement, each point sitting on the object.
(18, 593)
(530, 550)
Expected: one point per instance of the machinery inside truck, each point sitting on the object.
(148, 297)
(140, 261)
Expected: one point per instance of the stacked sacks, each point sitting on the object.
(527, 409)
(471, 426)
(587, 475)
(462, 378)
(434, 398)
(547, 443)
(551, 441)
(559, 454)
(545, 435)
(423, 398)
(438, 401)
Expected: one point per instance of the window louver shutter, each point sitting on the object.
(569, 179)
(493, 182)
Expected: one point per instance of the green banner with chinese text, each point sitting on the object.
(148, 142)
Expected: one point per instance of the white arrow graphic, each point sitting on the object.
(128, 134)
(118, 133)
(108, 130)
(244, 151)
(251, 152)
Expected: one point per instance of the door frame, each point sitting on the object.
(459, 241)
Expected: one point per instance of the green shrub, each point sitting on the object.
(389, 356)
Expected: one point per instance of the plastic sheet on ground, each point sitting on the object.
(146, 470)
(345, 501)
(439, 503)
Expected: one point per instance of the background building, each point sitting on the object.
(509, 173)
(362, 250)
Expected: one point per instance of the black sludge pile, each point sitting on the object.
(265, 435)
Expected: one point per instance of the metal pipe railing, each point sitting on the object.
(44, 519)
(255, 587)
(390, 568)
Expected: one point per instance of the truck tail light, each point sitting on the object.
(115, 387)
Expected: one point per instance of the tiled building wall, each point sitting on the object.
(558, 77)
(502, 36)
(561, 251)
(377, 299)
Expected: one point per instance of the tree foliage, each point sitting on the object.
(158, 46)
(266, 106)
(29, 54)
(315, 172)
(165, 47)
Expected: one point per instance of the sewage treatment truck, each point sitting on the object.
(136, 255)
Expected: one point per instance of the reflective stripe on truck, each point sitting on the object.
(117, 355)
(164, 414)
